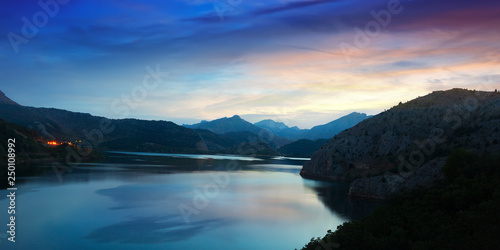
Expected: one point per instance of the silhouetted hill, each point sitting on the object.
(301, 148)
(24, 116)
(216, 142)
(152, 136)
(256, 148)
(242, 136)
(242, 143)
(72, 125)
(105, 134)
(245, 136)
(404, 146)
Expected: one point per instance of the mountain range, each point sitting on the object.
(289, 141)
(277, 132)
(401, 148)
(225, 135)
(233, 127)
(325, 131)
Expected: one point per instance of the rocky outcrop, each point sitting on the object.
(394, 144)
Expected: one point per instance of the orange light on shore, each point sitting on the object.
(52, 143)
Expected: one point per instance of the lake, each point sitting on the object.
(176, 201)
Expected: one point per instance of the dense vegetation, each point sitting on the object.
(102, 133)
(28, 149)
(26, 144)
(462, 213)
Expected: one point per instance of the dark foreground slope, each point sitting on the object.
(462, 213)
(404, 146)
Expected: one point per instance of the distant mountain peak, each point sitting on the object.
(225, 124)
(237, 127)
(268, 123)
(5, 100)
(334, 127)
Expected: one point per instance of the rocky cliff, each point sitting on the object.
(403, 146)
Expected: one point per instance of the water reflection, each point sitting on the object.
(127, 166)
(153, 230)
(191, 156)
(128, 201)
(335, 197)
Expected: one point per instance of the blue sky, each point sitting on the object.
(300, 62)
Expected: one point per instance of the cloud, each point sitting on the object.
(292, 6)
(264, 57)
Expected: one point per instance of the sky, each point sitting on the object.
(301, 62)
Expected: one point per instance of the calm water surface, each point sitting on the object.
(160, 201)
